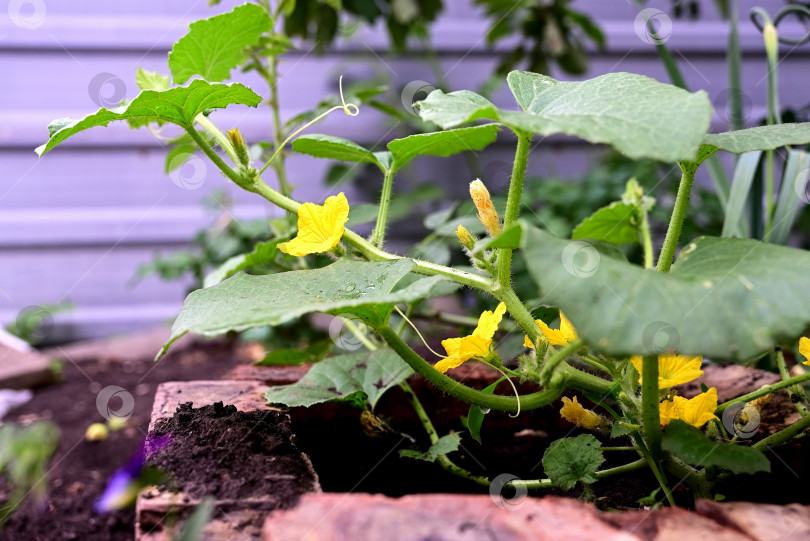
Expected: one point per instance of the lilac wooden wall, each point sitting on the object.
(74, 225)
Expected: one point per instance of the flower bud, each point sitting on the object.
(96, 432)
(239, 146)
(771, 42)
(466, 238)
(486, 210)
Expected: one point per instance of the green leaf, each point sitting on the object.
(177, 105)
(354, 378)
(214, 46)
(760, 138)
(571, 460)
(151, 80)
(334, 148)
(446, 444)
(723, 298)
(693, 447)
(613, 223)
(475, 418)
(290, 356)
(639, 116)
(744, 172)
(362, 214)
(365, 289)
(262, 253)
(443, 143)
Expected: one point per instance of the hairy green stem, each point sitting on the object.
(540, 484)
(646, 240)
(784, 436)
(649, 405)
(768, 389)
(667, 254)
(221, 139)
(427, 424)
(461, 391)
(557, 358)
(378, 235)
(795, 392)
(655, 467)
(504, 264)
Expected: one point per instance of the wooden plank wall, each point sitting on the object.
(74, 225)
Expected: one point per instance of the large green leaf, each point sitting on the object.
(178, 105)
(613, 223)
(760, 138)
(365, 289)
(214, 46)
(639, 116)
(355, 378)
(334, 148)
(442, 143)
(724, 298)
(693, 447)
(571, 460)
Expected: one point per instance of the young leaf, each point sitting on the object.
(362, 214)
(262, 253)
(334, 148)
(571, 460)
(639, 116)
(354, 378)
(693, 447)
(177, 105)
(446, 444)
(723, 298)
(214, 46)
(475, 418)
(365, 289)
(760, 138)
(443, 143)
(151, 80)
(613, 223)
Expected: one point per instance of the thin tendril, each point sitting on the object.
(517, 395)
(418, 333)
(348, 108)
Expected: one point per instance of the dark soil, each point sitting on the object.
(219, 451)
(79, 470)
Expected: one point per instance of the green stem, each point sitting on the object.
(278, 136)
(794, 391)
(559, 357)
(769, 188)
(221, 139)
(461, 391)
(783, 436)
(655, 467)
(378, 235)
(504, 265)
(734, 62)
(427, 424)
(646, 240)
(667, 254)
(768, 389)
(540, 484)
(649, 405)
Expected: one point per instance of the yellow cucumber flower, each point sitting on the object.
(320, 227)
(465, 237)
(556, 337)
(486, 210)
(804, 349)
(478, 344)
(695, 411)
(673, 369)
(574, 412)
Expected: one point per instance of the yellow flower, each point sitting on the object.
(804, 349)
(478, 344)
(695, 411)
(556, 337)
(465, 237)
(575, 413)
(673, 369)
(486, 210)
(320, 227)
